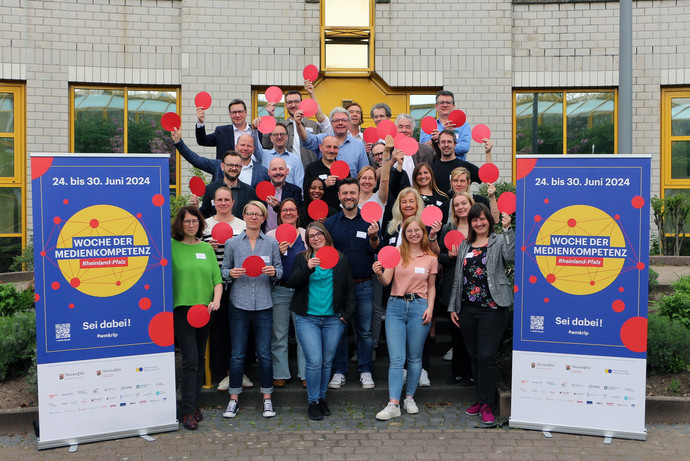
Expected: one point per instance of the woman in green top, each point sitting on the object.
(196, 280)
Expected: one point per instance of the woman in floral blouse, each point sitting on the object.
(479, 300)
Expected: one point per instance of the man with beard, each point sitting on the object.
(449, 161)
(241, 193)
(322, 169)
(358, 241)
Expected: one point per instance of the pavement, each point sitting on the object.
(669, 274)
(439, 431)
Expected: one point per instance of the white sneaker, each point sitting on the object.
(269, 412)
(337, 381)
(410, 406)
(424, 379)
(448, 355)
(391, 411)
(246, 383)
(224, 384)
(366, 380)
(231, 411)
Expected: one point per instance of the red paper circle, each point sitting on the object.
(221, 232)
(488, 173)
(385, 128)
(170, 121)
(198, 316)
(286, 233)
(429, 124)
(309, 107)
(340, 168)
(453, 238)
(253, 264)
(409, 146)
(317, 209)
(267, 124)
(328, 256)
(161, 329)
(389, 256)
(197, 186)
(431, 214)
(506, 202)
(273, 94)
(371, 211)
(479, 132)
(458, 118)
(264, 189)
(310, 72)
(203, 100)
(634, 334)
(525, 167)
(370, 135)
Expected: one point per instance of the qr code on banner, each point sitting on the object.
(536, 322)
(62, 331)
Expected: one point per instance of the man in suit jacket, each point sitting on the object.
(292, 101)
(225, 137)
(278, 171)
(252, 172)
(242, 193)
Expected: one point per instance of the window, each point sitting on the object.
(124, 120)
(565, 122)
(12, 174)
(675, 142)
(347, 36)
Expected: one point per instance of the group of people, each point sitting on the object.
(292, 279)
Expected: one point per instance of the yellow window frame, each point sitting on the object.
(667, 182)
(517, 91)
(19, 179)
(174, 188)
(348, 33)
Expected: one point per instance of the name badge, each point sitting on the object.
(419, 270)
(391, 241)
(213, 202)
(236, 232)
(468, 255)
(201, 256)
(361, 235)
(323, 176)
(439, 203)
(267, 259)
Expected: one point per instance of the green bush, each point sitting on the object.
(17, 342)
(13, 300)
(653, 279)
(676, 306)
(668, 345)
(24, 261)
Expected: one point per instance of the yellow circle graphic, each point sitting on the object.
(107, 274)
(592, 229)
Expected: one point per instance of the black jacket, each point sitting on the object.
(344, 300)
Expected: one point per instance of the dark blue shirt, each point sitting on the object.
(351, 239)
(289, 258)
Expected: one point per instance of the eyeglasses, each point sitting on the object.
(288, 210)
(190, 222)
(293, 103)
(233, 166)
(340, 120)
(315, 236)
(254, 215)
(279, 135)
(445, 103)
(238, 112)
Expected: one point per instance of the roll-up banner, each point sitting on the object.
(104, 323)
(581, 291)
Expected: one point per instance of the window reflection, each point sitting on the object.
(6, 112)
(6, 157)
(680, 117)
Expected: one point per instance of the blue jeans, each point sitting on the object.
(364, 313)
(319, 336)
(260, 322)
(405, 336)
(282, 296)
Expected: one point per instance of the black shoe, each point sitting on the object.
(452, 380)
(324, 408)
(466, 382)
(314, 412)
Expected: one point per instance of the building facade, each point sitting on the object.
(96, 75)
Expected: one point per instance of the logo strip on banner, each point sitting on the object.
(106, 366)
(581, 291)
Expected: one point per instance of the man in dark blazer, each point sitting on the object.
(241, 192)
(224, 137)
(278, 171)
(253, 172)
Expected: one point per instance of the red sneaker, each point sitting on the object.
(487, 415)
(473, 410)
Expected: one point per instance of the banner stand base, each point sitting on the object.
(548, 428)
(73, 443)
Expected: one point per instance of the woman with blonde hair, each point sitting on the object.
(409, 312)
(461, 181)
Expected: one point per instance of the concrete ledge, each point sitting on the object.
(18, 421)
(669, 260)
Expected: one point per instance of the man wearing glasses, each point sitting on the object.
(224, 137)
(349, 150)
(279, 138)
(292, 100)
(445, 104)
(242, 193)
